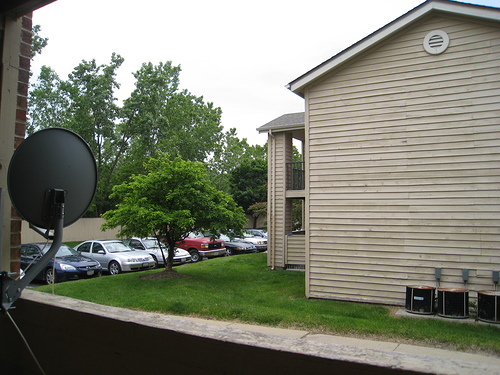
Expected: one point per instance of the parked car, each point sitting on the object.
(198, 246)
(116, 257)
(257, 232)
(235, 246)
(259, 242)
(150, 245)
(69, 264)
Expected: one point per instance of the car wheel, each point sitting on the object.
(114, 268)
(229, 251)
(49, 276)
(195, 255)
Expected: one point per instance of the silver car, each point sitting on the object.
(259, 242)
(150, 244)
(116, 257)
(256, 232)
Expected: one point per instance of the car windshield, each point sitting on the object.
(150, 242)
(250, 234)
(62, 252)
(224, 238)
(116, 247)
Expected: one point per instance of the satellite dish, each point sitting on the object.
(52, 180)
(47, 165)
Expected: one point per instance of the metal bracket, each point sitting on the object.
(11, 289)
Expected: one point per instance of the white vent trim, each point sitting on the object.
(436, 42)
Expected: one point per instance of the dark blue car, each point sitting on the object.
(69, 264)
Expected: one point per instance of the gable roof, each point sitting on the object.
(289, 121)
(447, 6)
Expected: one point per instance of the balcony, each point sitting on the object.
(295, 178)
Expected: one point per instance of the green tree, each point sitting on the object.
(38, 43)
(232, 153)
(257, 210)
(159, 116)
(94, 114)
(85, 104)
(173, 198)
(248, 183)
(48, 102)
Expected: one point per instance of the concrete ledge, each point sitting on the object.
(406, 314)
(376, 355)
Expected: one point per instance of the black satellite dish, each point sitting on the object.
(50, 162)
(52, 180)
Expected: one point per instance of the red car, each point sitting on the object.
(199, 246)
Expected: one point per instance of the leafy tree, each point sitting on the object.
(296, 155)
(85, 104)
(248, 183)
(94, 113)
(158, 117)
(173, 198)
(232, 153)
(256, 210)
(297, 214)
(38, 43)
(48, 102)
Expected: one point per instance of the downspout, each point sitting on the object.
(272, 199)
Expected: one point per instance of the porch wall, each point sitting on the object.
(279, 208)
(295, 251)
(120, 341)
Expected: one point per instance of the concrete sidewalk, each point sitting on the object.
(377, 355)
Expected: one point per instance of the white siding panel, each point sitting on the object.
(404, 166)
(295, 250)
(276, 203)
(279, 208)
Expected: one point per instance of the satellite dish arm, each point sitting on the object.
(45, 233)
(11, 289)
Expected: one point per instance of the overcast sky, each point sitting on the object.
(238, 55)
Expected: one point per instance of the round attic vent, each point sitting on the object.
(436, 42)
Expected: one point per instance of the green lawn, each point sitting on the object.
(241, 288)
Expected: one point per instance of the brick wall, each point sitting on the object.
(20, 129)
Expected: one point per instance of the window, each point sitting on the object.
(30, 251)
(85, 248)
(136, 244)
(96, 248)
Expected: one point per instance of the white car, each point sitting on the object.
(116, 257)
(256, 232)
(259, 242)
(150, 245)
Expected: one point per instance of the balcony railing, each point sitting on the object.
(295, 176)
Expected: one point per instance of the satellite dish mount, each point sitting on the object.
(52, 180)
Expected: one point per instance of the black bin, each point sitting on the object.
(488, 306)
(420, 299)
(453, 303)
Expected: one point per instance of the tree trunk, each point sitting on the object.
(171, 250)
(162, 252)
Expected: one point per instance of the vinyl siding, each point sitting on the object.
(276, 200)
(295, 253)
(404, 166)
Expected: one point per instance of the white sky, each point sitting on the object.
(238, 55)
